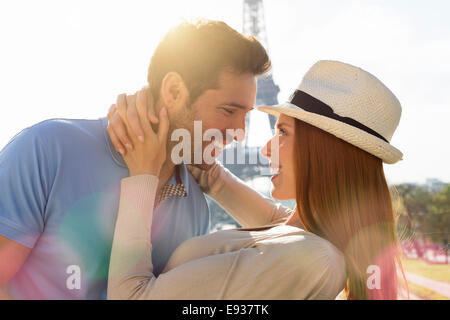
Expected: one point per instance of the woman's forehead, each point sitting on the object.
(285, 120)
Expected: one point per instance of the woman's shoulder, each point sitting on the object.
(313, 267)
(322, 262)
(311, 246)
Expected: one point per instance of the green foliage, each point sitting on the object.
(423, 214)
(439, 220)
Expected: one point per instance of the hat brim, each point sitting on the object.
(348, 133)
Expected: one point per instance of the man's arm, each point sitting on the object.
(12, 257)
(26, 176)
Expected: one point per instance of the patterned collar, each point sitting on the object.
(170, 189)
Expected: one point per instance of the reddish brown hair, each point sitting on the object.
(199, 51)
(343, 196)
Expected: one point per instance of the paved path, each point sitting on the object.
(441, 287)
(403, 295)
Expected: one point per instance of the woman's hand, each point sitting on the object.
(149, 152)
(126, 111)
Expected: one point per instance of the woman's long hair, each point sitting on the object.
(343, 197)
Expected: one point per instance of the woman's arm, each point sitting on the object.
(131, 269)
(131, 266)
(288, 270)
(247, 206)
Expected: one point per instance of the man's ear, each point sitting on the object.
(173, 91)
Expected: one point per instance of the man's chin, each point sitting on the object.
(215, 153)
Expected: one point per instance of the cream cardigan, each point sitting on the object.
(264, 260)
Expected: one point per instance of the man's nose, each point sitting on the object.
(239, 135)
(241, 129)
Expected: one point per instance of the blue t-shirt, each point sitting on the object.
(59, 195)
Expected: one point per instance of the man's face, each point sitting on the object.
(223, 108)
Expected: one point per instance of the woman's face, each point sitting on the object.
(280, 152)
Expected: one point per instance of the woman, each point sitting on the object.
(331, 139)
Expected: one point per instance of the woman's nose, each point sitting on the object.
(265, 151)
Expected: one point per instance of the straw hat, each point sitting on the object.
(349, 103)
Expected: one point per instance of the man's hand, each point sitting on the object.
(126, 117)
(4, 296)
(12, 256)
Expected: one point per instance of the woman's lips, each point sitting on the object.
(275, 169)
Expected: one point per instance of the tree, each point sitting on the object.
(416, 201)
(424, 215)
(438, 224)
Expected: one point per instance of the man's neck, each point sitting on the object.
(166, 172)
(168, 167)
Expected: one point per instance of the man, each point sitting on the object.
(60, 179)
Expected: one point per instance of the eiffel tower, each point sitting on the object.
(254, 24)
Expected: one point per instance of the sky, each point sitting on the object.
(70, 59)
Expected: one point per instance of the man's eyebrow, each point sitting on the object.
(237, 105)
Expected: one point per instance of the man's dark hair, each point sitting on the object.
(199, 51)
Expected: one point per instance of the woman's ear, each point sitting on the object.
(173, 91)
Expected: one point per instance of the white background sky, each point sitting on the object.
(70, 59)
